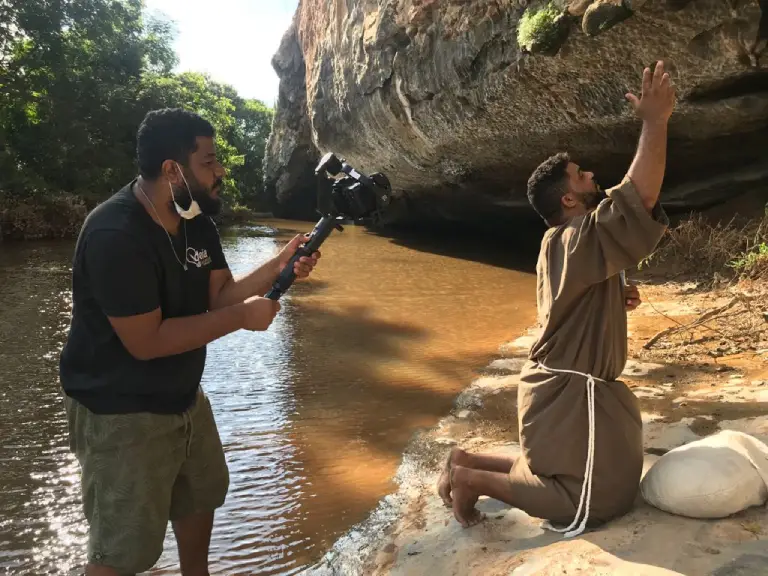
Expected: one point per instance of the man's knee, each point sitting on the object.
(128, 538)
(127, 525)
(134, 556)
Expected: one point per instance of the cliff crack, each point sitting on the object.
(743, 85)
(407, 109)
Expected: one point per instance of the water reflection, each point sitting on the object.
(39, 477)
(313, 414)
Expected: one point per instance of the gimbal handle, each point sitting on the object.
(319, 234)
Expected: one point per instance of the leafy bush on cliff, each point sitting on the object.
(76, 79)
(542, 30)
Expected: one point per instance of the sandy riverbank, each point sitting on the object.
(711, 375)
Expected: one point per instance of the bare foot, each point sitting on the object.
(444, 484)
(464, 498)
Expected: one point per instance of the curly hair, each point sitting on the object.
(168, 134)
(547, 186)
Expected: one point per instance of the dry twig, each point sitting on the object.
(696, 323)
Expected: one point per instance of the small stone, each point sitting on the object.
(604, 15)
(578, 7)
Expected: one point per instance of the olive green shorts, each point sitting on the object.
(138, 472)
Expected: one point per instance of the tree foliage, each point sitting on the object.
(76, 79)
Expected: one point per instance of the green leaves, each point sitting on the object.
(76, 79)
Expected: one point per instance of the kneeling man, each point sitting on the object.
(580, 429)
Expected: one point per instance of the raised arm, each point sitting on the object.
(627, 226)
(654, 108)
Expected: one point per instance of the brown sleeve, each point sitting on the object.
(617, 235)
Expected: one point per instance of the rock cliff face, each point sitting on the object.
(458, 100)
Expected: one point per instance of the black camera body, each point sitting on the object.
(354, 196)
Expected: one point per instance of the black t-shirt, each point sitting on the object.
(123, 266)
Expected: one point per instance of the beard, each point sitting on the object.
(209, 205)
(591, 199)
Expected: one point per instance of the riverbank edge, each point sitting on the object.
(61, 216)
(369, 547)
(368, 542)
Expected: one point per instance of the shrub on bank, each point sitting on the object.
(61, 216)
(234, 214)
(716, 252)
(41, 217)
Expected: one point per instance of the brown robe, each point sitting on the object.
(583, 322)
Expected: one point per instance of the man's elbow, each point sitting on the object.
(142, 353)
(142, 349)
(139, 334)
(220, 297)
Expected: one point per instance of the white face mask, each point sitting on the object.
(194, 207)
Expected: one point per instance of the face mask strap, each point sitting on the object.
(189, 190)
(194, 207)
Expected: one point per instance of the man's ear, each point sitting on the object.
(569, 200)
(171, 172)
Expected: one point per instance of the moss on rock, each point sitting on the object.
(543, 30)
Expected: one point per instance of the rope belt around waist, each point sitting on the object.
(586, 488)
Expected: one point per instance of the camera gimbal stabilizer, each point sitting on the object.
(353, 196)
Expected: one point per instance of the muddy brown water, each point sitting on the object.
(314, 413)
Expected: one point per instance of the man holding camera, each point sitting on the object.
(151, 288)
(580, 428)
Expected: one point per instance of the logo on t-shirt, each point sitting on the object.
(199, 258)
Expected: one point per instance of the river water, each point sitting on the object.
(314, 413)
